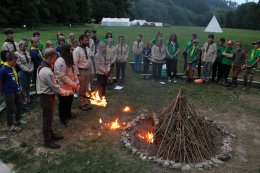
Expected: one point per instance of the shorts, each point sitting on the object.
(192, 66)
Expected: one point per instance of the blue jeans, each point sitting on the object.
(206, 71)
(138, 60)
(24, 80)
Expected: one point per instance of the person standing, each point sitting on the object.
(159, 35)
(26, 67)
(209, 55)
(122, 52)
(83, 68)
(137, 51)
(187, 49)
(37, 35)
(239, 58)
(226, 62)
(9, 44)
(36, 56)
(193, 58)
(103, 68)
(61, 41)
(67, 80)
(9, 87)
(59, 34)
(108, 35)
(158, 59)
(147, 53)
(172, 52)
(49, 44)
(216, 72)
(251, 64)
(71, 38)
(91, 46)
(47, 87)
(111, 54)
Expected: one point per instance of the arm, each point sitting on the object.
(5, 47)
(21, 66)
(256, 62)
(126, 54)
(100, 64)
(215, 54)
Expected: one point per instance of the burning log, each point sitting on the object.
(182, 135)
(95, 99)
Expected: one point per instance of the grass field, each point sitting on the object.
(84, 151)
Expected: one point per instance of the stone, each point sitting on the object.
(127, 145)
(217, 161)
(145, 111)
(176, 166)
(134, 150)
(224, 157)
(138, 153)
(208, 119)
(200, 169)
(4, 168)
(144, 158)
(226, 148)
(127, 135)
(210, 162)
(186, 168)
(206, 165)
(233, 136)
(172, 162)
(199, 165)
(150, 158)
(166, 163)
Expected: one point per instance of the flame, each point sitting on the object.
(100, 121)
(127, 109)
(96, 100)
(149, 137)
(115, 125)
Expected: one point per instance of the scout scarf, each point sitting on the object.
(193, 51)
(210, 43)
(253, 53)
(38, 50)
(14, 71)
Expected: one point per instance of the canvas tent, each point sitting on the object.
(213, 26)
(115, 22)
(141, 22)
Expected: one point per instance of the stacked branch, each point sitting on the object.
(182, 135)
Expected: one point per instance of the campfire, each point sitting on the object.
(114, 125)
(148, 137)
(111, 125)
(95, 99)
(127, 109)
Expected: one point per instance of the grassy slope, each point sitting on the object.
(82, 152)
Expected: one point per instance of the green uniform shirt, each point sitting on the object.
(172, 49)
(226, 60)
(193, 54)
(189, 46)
(254, 53)
(220, 50)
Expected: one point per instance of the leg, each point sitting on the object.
(139, 63)
(18, 105)
(214, 71)
(136, 63)
(199, 69)
(10, 108)
(168, 67)
(69, 104)
(83, 87)
(62, 109)
(219, 71)
(154, 71)
(123, 68)
(117, 71)
(159, 70)
(174, 67)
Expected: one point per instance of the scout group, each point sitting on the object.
(68, 66)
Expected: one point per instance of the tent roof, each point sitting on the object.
(213, 26)
(115, 20)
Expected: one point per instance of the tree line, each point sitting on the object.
(175, 12)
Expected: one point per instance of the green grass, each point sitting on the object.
(83, 153)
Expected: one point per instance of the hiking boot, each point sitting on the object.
(51, 145)
(57, 136)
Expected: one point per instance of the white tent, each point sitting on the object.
(141, 22)
(213, 26)
(115, 22)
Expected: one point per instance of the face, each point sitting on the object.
(12, 63)
(139, 38)
(59, 34)
(195, 44)
(221, 43)
(159, 42)
(85, 41)
(10, 36)
(121, 40)
(50, 45)
(237, 47)
(37, 36)
(52, 59)
(230, 46)
(35, 43)
(61, 42)
(109, 41)
(23, 47)
(109, 36)
(210, 39)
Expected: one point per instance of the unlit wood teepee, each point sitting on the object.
(182, 135)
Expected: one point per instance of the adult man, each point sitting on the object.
(209, 55)
(137, 51)
(9, 44)
(47, 87)
(83, 67)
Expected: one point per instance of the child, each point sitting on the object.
(226, 62)
(49, 44)
(137, 51)
(192, 59)
(11, 91)
(147, 53)
(238, 60)
(187, 49)
(252, 61)
(111, 54)
(217, 64)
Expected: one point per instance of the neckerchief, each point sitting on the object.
(38, 50)
(253, 53)
(14, 71)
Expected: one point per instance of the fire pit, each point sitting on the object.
(178, 137)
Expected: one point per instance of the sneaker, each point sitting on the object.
(57, 136)
(174, 80)
(169, 80)
(14, 129)
(51, 145)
